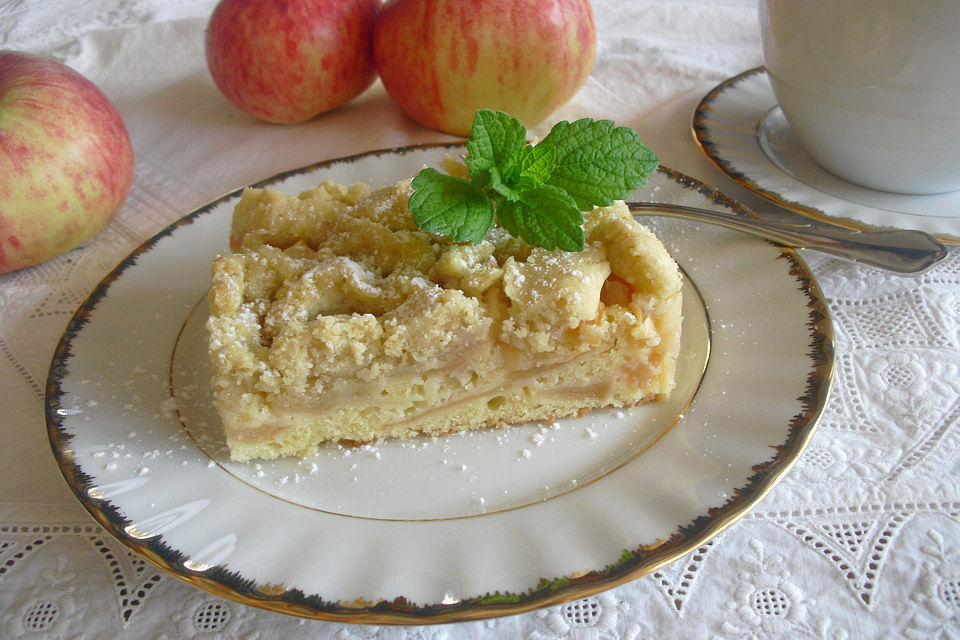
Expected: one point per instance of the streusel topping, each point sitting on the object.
(340, 293)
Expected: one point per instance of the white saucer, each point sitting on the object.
(739, 126)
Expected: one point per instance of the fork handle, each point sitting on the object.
(899, 250)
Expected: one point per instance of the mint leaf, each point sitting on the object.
(496, 140)
(536, 165)
(451, 206)
(537, 193)
(546, 216)
(501, 187)
(598, 162)
(508, 215)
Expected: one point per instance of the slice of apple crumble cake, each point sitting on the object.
(336, 319)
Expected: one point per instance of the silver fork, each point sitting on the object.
(896, 250)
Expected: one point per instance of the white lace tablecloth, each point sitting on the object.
(861, 540)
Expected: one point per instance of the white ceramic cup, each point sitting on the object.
(871, 88)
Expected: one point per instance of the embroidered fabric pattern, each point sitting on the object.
(861, 540)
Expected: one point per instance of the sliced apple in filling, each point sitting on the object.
(336, 319)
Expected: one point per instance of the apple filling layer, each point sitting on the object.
(336, 319)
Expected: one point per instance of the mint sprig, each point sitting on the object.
(451, 206)
(536, 192)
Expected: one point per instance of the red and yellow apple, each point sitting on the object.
(66, 164)
(441, 60)
(286, 61)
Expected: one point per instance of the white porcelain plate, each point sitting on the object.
(436, 529)
(739, 126)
